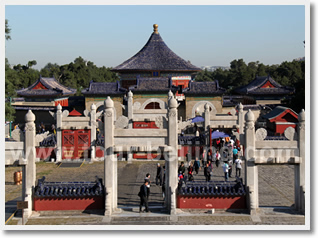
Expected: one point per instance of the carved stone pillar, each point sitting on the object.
(172, 184)
(130, 112)
(93, 131)
(251, 171)
(110, 164)
(241, 123)
(300, 169)
(59, 133)
(29, 173)
(207, 122)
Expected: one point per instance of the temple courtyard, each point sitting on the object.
(275, 194)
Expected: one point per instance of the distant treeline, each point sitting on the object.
(79, 73)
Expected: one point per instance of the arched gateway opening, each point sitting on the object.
(128, 140)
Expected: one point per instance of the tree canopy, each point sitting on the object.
(7, 30)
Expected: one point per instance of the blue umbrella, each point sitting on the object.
(219, 134)
(197, 119)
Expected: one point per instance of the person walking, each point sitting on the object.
(217, 158)
(226, 170)
(190, 172)
(238, 166)
(235, 151)
(196, 165)
(159, 175)
(148, 185)
(181, 169)
(207, 173)
(230, 163)
(204, 157)
(163, 188)
(143, 194)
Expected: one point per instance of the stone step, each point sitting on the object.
(144, 217)
(136, 208)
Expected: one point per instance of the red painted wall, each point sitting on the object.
(62, 102)
(99, 151)
(209, 202)
(144, 125)
(184, 83)
(56, 204)
(281, 128)
(145, 155)
(43, 152)
(183, 151)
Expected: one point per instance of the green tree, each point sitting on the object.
(7, 30)
(204, 75)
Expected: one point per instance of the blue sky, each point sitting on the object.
(108, 35)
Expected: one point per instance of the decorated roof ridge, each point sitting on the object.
(206, 87)
(153, 84)
(156, 55)
(52, 88)
(104, 88)
(278, 111)
(255, 87)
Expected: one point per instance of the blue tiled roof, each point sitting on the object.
(153, 84)
(156, 55)
(68, 189)
(54, 89)
(255, 87)
(208, 87)
(104, 88)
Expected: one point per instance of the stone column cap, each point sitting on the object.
(173, 103)
(301, 115)
(249, 115)
(29, 117)
(109, 103)
(93, 106)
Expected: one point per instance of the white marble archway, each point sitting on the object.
(162, 104)
(199, 107)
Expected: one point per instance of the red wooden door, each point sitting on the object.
(76, 144)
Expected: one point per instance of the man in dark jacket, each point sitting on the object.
(159, 175)
(207, 172)
(148, 186)
(181, 169)
(143, 196)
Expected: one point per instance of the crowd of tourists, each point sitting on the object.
(207, 162)
(229, 160)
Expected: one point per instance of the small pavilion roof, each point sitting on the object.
(46, 87)
(156, 55)
(75, 113)
(264, 85)
(278, 111)
(104, 88)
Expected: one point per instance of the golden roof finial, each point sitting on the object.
(155, 28)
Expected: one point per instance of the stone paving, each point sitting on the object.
(275, 193)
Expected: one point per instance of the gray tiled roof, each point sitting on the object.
(156, 55)
(255, 87)
(54, 89)
(153, 84)
(208, 87)
(104, 88)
